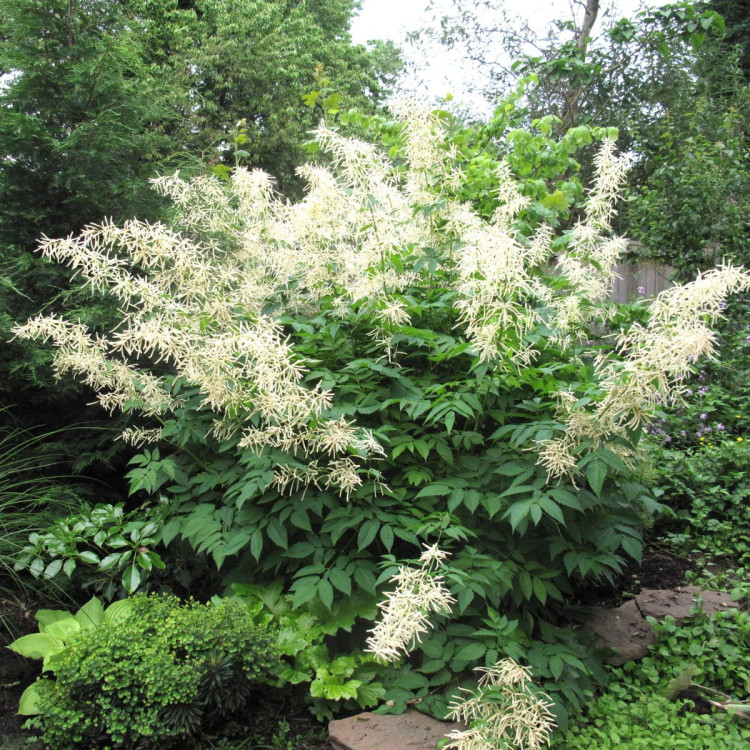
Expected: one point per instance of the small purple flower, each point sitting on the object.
(667, 439)
(719, 427)
(703, 390)
(688, 391)
(641, 290)
(707, 430)
(702, 376)
(722, 305)
(699, 433)
(748, 339)
(703, 417)
(683, 433)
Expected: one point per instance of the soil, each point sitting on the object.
(16, 673)
(658, 570)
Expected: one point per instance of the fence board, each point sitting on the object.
(651, 278)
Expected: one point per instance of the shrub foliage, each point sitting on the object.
(335, 382)
(159, 676)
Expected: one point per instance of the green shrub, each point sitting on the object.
(159, 677)
(333, 384)
(699, 449)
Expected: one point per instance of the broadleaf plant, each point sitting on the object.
(395, 360)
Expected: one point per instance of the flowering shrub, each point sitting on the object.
(335, 382)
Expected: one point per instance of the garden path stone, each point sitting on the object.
(409, 731)
(680, 602)
(622, 629)
(625, 629)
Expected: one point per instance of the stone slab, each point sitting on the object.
(409, 731)
(622, 629)
(679, 602)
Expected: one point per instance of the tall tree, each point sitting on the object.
(255, 59)
(669, 79)
(85, 119)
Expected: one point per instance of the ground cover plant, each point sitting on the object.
(689, 693)
(326, 386)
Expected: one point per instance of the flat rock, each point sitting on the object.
(623, 629)
(409, 731)
(680, 602)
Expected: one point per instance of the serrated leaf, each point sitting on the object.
(471, 500)
(369, 694)
(386, 536)
(470, 652)
(256, 543)
(367, 533)
(524, 581)
(365, 579)
(444, 452)
(411, 681)
(596, 473)
(236, 543)
(551, 508)
(540, 590)
(300, 519)
(434, 490)
(304, 591)
(510, 469)
(340, 580)
(464, 599)
(633, 547)
(170, 531)
(277, 533)
(432, 665)
(325, 593)
(556, 666)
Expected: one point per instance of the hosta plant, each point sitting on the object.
(335, 382)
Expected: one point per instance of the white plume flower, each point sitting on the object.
(405, 613)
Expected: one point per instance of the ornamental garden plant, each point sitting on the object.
(420, 352)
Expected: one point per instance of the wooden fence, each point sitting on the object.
(644, 279)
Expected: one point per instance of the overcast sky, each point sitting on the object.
(394, 19)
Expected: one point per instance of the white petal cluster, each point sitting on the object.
(654, 361)
(203, 299)
(405, 613)
(505, 711)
